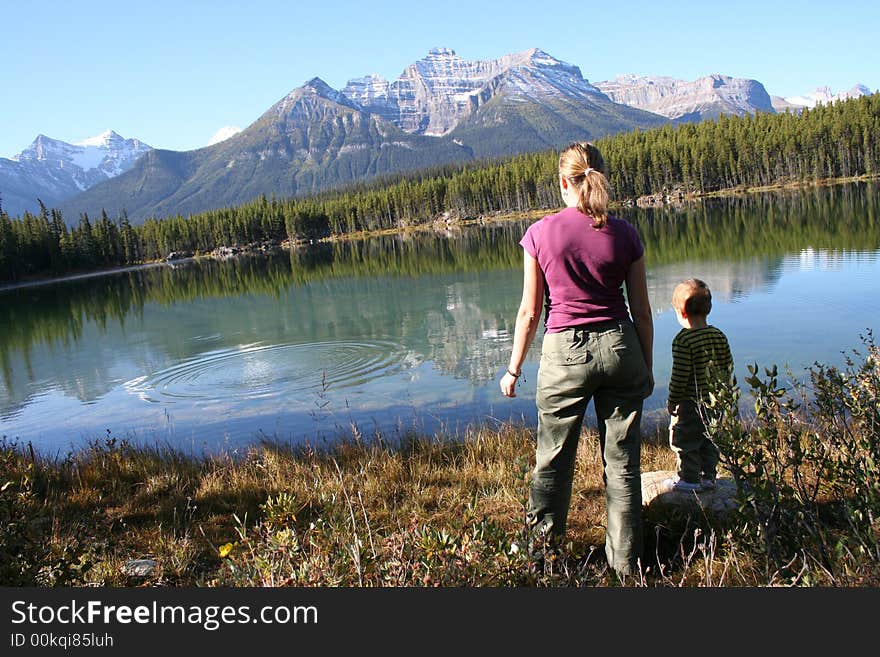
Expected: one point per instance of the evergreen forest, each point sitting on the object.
(839, 140)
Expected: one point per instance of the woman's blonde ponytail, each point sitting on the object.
(584, 168)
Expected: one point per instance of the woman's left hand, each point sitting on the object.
(508, 385)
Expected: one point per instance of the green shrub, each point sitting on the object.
(805, 465)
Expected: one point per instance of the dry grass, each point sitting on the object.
(144, 503)
(362, 512)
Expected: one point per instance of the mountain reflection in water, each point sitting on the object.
(401, 333)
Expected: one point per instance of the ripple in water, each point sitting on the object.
(261, 371)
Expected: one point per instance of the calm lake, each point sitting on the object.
(405, 333)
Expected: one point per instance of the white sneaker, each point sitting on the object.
(679, 485)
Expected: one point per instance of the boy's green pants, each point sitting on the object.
(696, 455)
(602, 362)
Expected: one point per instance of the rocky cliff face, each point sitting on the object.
(705, 98)
(432, 96)
(53, 170)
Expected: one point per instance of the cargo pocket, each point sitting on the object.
(628, 360)
(563, 368)
(565, 348)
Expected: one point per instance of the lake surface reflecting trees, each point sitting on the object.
(408, 332)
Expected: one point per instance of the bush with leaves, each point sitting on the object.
(805, 466)
(22, 548)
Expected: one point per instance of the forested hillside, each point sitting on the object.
(831, 141)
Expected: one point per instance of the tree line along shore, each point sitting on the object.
(840, 141)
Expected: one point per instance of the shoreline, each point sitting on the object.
(659, 199)
(791, 185)
(88, 274)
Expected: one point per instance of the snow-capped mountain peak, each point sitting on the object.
(541, 58)
(434, 94)
(223, 134)
(103, 140)
(108, 153)
(823, 96)
(51, 169)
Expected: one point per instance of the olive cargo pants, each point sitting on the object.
(696, 455)
(602, 362)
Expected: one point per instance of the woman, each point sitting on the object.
(576, 261)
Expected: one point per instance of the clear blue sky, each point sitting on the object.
(173, 73)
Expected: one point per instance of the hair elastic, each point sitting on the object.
(588, 169)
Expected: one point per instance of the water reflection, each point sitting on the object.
(420, 325)
(259, 370)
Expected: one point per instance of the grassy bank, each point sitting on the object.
(432, 511)
(426, 511)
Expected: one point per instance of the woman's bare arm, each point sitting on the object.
(640, 309)
(527, 318)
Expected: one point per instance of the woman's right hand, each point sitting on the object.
(508, 385)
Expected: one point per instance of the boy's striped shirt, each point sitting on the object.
(698, 356)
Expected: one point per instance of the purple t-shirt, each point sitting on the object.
(584, 268)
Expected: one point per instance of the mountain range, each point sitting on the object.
(53, 170)
(824, 95)
(441, 109)
(705, 98)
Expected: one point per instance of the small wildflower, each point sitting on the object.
(225, 550)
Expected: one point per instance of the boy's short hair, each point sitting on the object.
(693, 297)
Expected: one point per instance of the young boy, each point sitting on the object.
(700, 358)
